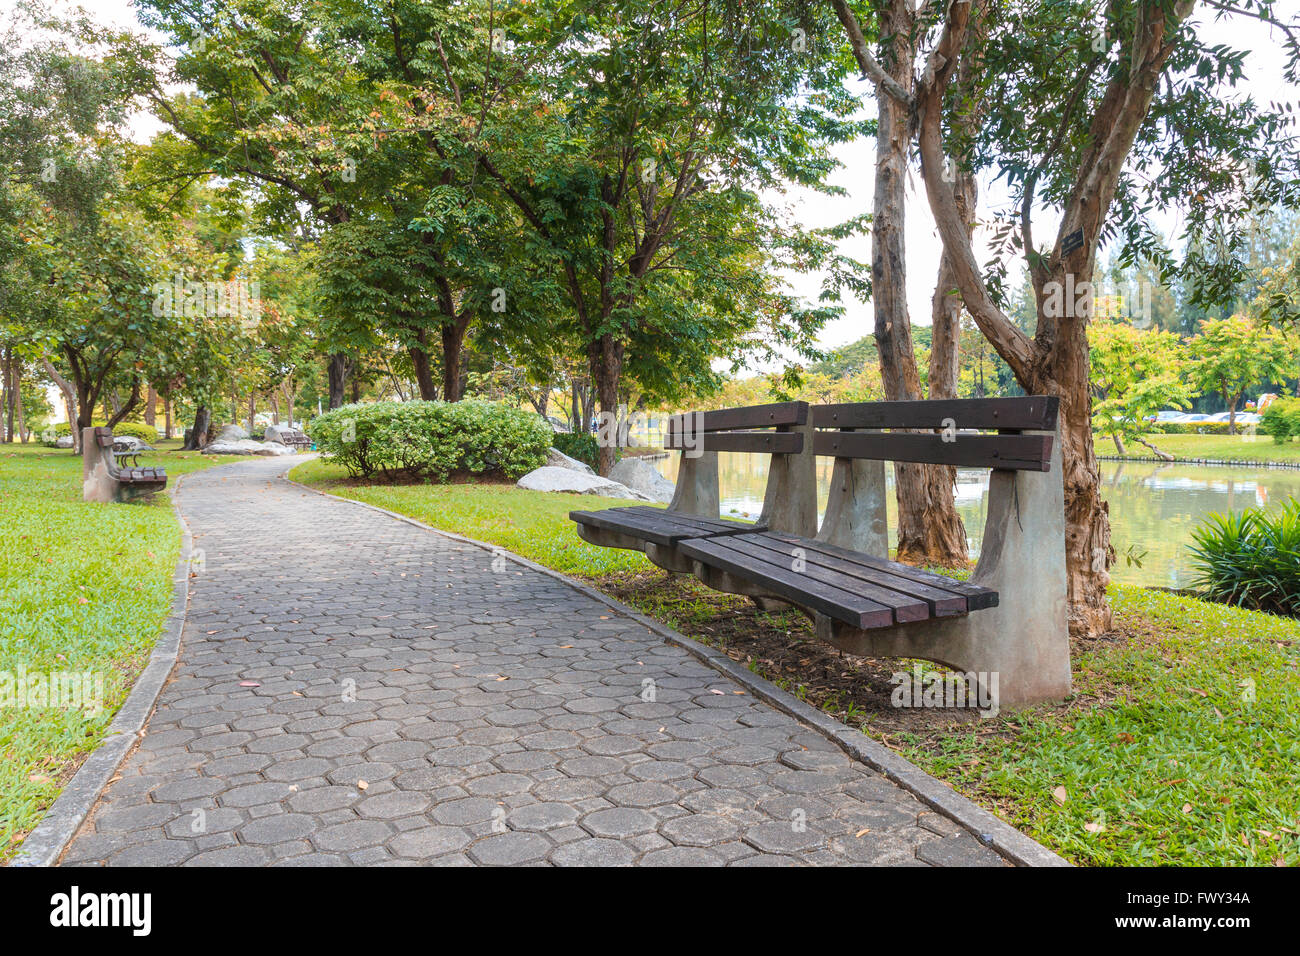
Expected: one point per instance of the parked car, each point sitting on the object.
(1167, 415)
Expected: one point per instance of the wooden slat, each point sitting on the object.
(784, 583)
(977, 598)
(719, 525)
(654, 525)
(1013, 452)
(771, 443)
(939, 602)
(753, 416)
(905, 606)
(1036, 412)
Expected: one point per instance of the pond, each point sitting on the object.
(1153, 508)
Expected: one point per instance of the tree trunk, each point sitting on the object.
(1061, 368)
(338, 369)
(8, 371)
(252, 410)
(921, 496)
(423, 369)
(151, 407)
(453, 339)
(275, 406)
(18, 402)
(606, 356)
(167, 417)
(199, 432)
(1118, 439)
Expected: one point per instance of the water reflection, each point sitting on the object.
(1153, 508)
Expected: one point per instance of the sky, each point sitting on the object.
(811, 209)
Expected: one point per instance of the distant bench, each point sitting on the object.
(841, 575)
(104, 480)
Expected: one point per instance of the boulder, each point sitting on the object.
(64, 441)
(551, 478)
(639, 475)
(230, 433)
(558, 459)
(276, 432)
(131, 442)
(246, 447)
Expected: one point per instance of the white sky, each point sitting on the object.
(1264, 82)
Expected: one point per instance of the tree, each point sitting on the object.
(1081, 115)
(1135, 373)
(1230, 355)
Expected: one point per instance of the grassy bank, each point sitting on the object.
(1243, 448)
(1181, 744)
(84, 589)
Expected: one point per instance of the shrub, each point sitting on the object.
(432, 439)
(146, 433)
(1282, 420)
(1251, 559)
(579, 445)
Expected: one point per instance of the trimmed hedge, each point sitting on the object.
(1282, 420)
(146, 433)
(433, 440)
(1192, 428)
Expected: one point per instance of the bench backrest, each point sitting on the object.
(856, 432)
(103, 436)
(790, 502)
(733, 429)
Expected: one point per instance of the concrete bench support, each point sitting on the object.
(1025, 639)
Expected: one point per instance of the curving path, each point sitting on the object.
(352, 689)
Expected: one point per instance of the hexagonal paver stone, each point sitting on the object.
(306, 768)
(618, 823)
(783, 837)
(429, 842)
(594, 852)
(643, 795)
(467, 811)
(254, 794)
(682, 856)
(278, 828)
(394, 804)
(154, 853)
(353, 835)
(700, 829)
(542, 816)
(231, 856)
(816, 760)
(510, 849)
(324, 799)
(961, 850)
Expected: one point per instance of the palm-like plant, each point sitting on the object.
(1251, 559)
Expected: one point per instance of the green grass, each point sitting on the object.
(83, 588)
(1181, 745)
(1250, 448)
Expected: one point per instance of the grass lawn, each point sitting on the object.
(1181, 744)
(84, 588)
(1251, 448)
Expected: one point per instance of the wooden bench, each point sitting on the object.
(1005, 627)
(104, 480)
(779, 429)
(295, 439)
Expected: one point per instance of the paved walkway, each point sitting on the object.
(352, 689)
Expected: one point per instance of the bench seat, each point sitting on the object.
(861, 590)
(142, 476)
(658, 526)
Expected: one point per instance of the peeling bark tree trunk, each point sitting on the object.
(151, 407)
(929, 530)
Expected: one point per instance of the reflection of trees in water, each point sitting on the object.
(1153, 507)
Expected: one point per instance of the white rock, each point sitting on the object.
(558, 459)
(639, 475)
(230, 433)
(63, 442)
(246, 447)
(551, 478)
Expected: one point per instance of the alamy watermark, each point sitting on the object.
(233, 298)
(68, 690)
(975, 690)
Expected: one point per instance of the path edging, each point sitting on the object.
(46, 843)
(989, 829)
